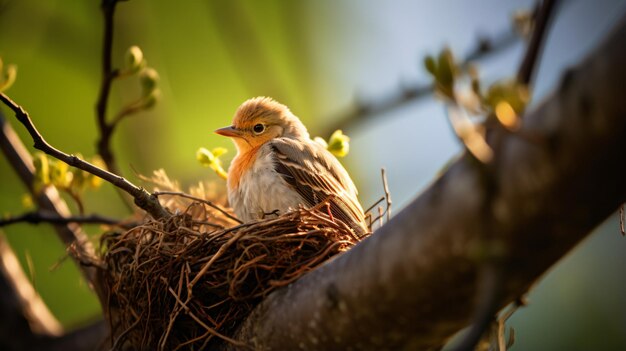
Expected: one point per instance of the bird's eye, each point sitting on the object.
(258, 128)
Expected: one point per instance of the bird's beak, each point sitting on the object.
(229, 131)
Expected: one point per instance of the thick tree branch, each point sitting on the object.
(490, 275)
(22, 308)
(26, 322)
(143, 199)
(49, 199)
(412, 284)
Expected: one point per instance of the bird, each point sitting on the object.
(278, 167)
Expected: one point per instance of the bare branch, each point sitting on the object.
(21, 306)
(49, 199)
(207, 202)
(26, 322)
(43, 216)
(363, 111)
(542, 19)
(621, 220)
(143, 199)
(108, 75)
(383, 175)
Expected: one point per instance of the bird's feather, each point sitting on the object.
(302, 165)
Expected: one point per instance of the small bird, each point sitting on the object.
(278, 167)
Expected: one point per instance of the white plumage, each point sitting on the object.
(262, 190)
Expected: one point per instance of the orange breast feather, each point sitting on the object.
(241, 164)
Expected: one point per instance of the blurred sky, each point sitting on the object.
(317, 57)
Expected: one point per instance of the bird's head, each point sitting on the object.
(261, 119)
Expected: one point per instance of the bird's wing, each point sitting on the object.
(317, 175)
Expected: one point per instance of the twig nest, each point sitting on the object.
(186, 282)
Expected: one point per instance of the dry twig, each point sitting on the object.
(43, 216)
(178, 281)
(143, 199)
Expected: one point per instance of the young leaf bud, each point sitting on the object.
(42, 171)
(339, 144)
(27, 202)
(134, 59)
(431, 66)
(446, 69)
(8, 77)
(60, 176)
(211, 159)
(149, 79)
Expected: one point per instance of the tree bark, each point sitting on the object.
(413, 283)
(49, 199)
(26, 322)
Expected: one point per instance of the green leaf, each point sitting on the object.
(339, 144)
(431, 65)
(42, 171)
(446, 69)
(510, 91)
(7, 78)
(211, 159)
(60, 176)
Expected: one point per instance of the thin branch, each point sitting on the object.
(362, 111)
(48, 200)
(383, 175)
(382, 198)
(207, 202)
(126, 112)
(491, 273)
(43, 216)
(108, 75)
(621, 220)
(489, 296)
(143, 198)
(77, 199)
(541, 21)
(103, 145)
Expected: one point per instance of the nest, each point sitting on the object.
(188, 281)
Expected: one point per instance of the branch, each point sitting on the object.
(408, 285)
(43, 216)
(108, 75)
(362, 111)
(207, 202)
(48, 200)
(143, 199)
(489, 274)
(542, 19)
(21, 307)
(26, 322)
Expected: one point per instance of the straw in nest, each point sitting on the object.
(187, 282)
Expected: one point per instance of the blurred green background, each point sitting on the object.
(316, 57)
